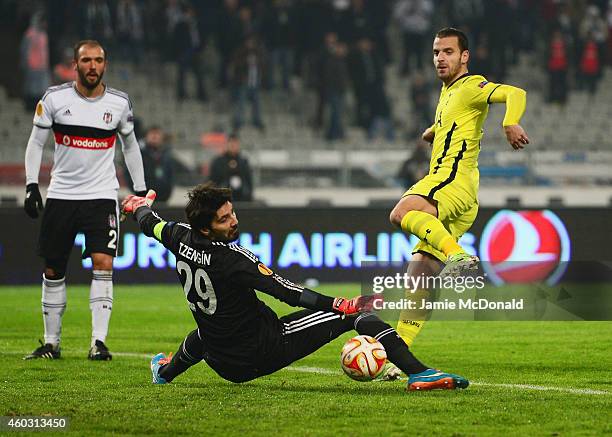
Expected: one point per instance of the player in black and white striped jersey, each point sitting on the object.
(238, 335)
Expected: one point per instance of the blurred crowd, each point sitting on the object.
(334, 47)
(579, 45)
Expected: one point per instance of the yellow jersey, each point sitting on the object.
(460, 116)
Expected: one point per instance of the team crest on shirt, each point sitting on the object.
(483, 83)
(112, 221)
(107, 117)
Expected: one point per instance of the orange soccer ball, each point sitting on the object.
(363, 358)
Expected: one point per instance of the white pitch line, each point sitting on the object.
(308, 369)
(324, 371)
(582, 391)
(133, 355)
(578, 391)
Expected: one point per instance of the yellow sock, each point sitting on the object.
(430, 230)
(409, 329)
(411, 321)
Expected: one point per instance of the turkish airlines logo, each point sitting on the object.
(85, 143)
(525, 247)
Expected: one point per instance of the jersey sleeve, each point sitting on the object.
(43, 115)
(248, 271)
(152, 225)
(133, 161)
(479, 91)
(34, 152)
(515, 99)
(126, 124)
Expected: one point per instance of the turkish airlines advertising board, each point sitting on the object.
(330, 244)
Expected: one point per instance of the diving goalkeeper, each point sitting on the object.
(238, 335)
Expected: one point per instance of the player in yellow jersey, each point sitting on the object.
(442, 206)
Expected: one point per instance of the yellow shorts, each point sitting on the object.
(456, 197)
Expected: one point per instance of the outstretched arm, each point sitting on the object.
(151, 224)
(249, 272)
(516, 101)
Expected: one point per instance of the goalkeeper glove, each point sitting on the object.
(355, 305)
(33, 200)
(131, 203)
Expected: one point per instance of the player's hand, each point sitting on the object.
(516, 136)
(429, 135)
(356, 305)
(131, 203)
(33, 201)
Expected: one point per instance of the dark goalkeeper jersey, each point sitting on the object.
(219, 280)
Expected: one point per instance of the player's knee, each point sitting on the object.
(54, 271)
(412, 203)
(396, 216)
(53, 274)
(392, 217)
(103, 265)
(102, 261)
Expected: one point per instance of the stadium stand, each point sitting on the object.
(570, 144)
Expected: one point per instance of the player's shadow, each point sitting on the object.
(375, 388)
(357, 389)
(393, 389)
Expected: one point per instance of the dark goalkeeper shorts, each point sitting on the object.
(63, 219)
(282, 342)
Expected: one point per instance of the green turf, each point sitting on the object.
(117, 397)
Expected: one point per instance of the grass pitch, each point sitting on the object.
(528, 378)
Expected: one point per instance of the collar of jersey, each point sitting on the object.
(457, 80)
(87, 99)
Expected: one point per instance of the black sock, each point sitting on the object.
(190, 352)
(397, 351)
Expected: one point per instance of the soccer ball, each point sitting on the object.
(363, 358)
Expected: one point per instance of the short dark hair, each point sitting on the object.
(204, 201)
(86, 42)
(451, 31)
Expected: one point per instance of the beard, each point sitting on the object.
(451, 72)
(86, 83)
(233, 236)
(225, 238)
